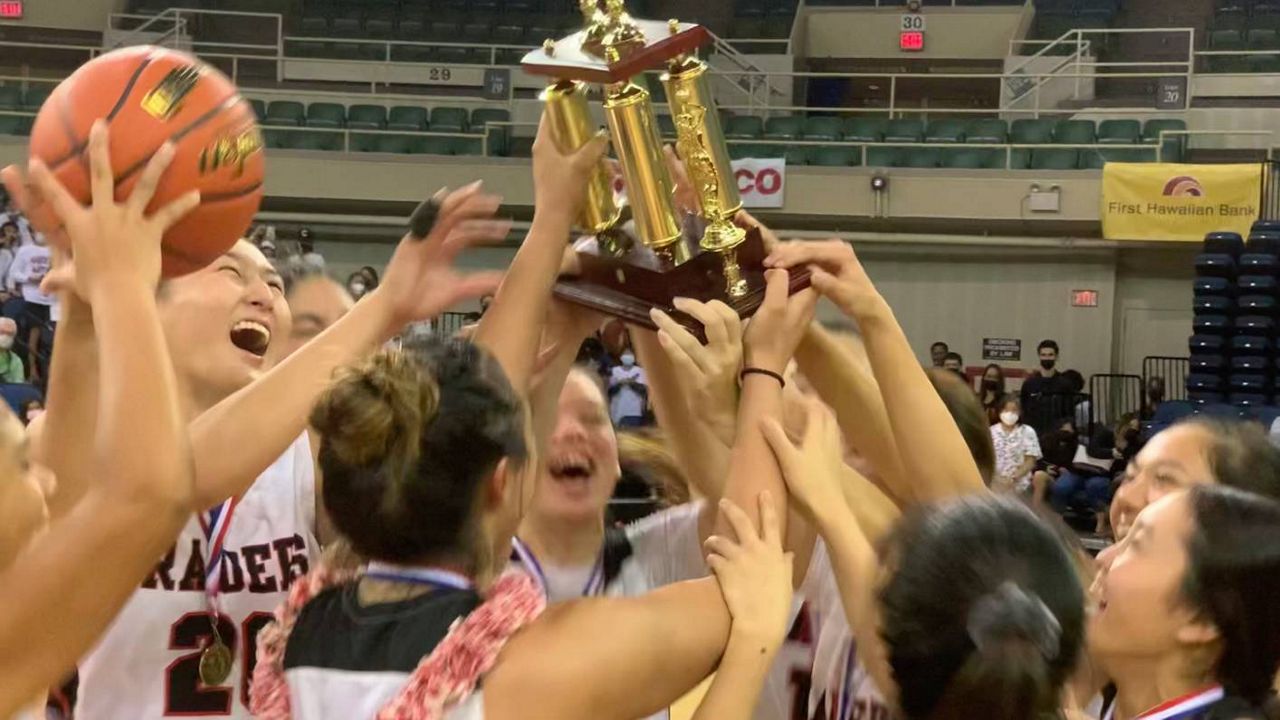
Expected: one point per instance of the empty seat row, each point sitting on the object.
(310, 139)
(1223, 325)
(955, 158)
(13, 97)
(376, 117)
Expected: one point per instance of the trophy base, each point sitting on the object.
(627, 285)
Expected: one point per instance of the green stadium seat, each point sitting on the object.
(466, 146)
(407, 117)
(1095, 159)
(778, 28)
(835, 156)
(864, 129)
(400, 144)
(972, 158)
(988, 130)
(442, 31)
(1076, 132)
(498, 134)
(796, 154)
(346, 27)
(259, 108)
(1226, 40)
(10, 98)
(666, 126)
(1263, 63)
(275, 139)
(367, 117)
(881, 156)
(744, 127)
(822, 128)
(449, 119)
(363, 142)
(411, 29)
(305, 140)
(747, 28)
(1174, 146)
(1018, 159)
(477, 32)
(919, 158)
(1260, 38)
(783, 128)
(945, 131)
(1270, 20)
(438, 145)
(315, 27)
(508, 35)
(380, 28)
(456, 55)
(14, 125)
(1055, 160)
(904, 130)
(36, 95)
(1028, 131)
(1119, 132)
(739, 151)
(1229, 22)
(326, 115)
(285, 113)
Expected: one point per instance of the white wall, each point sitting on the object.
(970, 32)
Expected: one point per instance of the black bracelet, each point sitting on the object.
(761, 371)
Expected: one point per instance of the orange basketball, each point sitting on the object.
(149, 95)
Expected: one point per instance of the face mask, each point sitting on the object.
(990, 384)
(6, 342)
(628, 359)
(357, 289)
(1048, 364)
(1009, 418)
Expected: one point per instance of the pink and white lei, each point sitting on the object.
(443, 679)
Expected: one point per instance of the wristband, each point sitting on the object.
(761, 371)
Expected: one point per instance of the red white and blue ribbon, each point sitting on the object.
(524, 555)
(434, 577)
(215, 527)
(1179, 708)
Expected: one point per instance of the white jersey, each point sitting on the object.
(146, 666)
(666, 548)
(842, 689)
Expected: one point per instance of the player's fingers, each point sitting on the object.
(102, 181)
(142, 193)
(169, 215)
(685, 366)
(64, 206)
(738, 520)
(723, 546)
(712, 322)
(770, 533)
(681, 336)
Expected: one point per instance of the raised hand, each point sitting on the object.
(560, 179)
(775, 330)
(710, 370)
(837, 274)
(421, 281)
(754, 575)
(112, 241)
(813, 470)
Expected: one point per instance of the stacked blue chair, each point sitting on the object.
(1218, 314)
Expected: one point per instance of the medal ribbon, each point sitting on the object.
(1179, 707)
(215, 528)
(522, 552)
(435, 577)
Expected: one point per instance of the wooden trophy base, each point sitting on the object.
(628, 285)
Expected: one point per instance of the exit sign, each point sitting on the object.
(10, 9)
(1084, 298)
(911, 41)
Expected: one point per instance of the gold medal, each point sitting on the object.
(215, 664)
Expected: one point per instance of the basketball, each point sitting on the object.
(150, 95)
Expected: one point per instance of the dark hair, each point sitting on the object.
(945, 347)
(953, 356)
(1047, 344)
(1011, 398)
(1240, 455)
(969, 417)
(406, 439)
(983, 614)
(296, 274)
(369, 272)
(1233, 577)
(1075, 381)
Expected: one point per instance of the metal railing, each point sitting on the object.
(1113, 397)
(1172, 371)
(1210, 58)
(362, 136)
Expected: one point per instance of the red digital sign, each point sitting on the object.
(1084, 298)
(10, 9)
(912, 41)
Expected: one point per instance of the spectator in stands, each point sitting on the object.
(1043, 383)
(628, 392)
(1155, 396)
(358, 284)
(1073, 383)
(23, 227)
(9, 243)
(1017, 449)
(31, 410)
(1059, 446)
(992, 392)
(11, 369)
(938, 352)
(953, 362)
(30, 264)
(307, 246)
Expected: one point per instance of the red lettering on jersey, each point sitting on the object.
(254, 557)
(162, 575)
(193, 577)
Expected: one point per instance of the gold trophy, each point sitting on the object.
(643, 255)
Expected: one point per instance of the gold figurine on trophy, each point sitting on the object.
(645, 254)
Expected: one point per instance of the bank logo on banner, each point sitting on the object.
(762, 183)
(1183, 186)
(1168, 201)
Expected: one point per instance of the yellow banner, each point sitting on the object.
(1168, 201)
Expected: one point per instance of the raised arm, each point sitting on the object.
(49, 614)
(941, 468)
(512, 327)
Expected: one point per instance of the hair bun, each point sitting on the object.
(376, 411)
(1011, 613)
